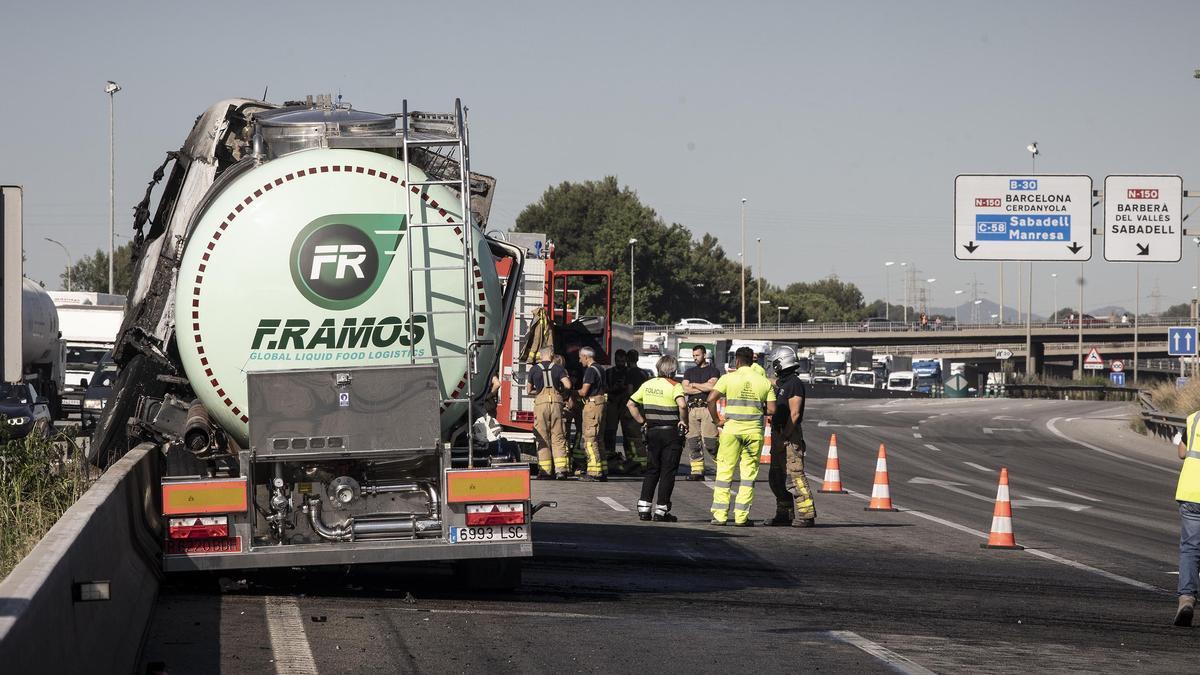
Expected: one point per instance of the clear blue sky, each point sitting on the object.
(843, 123)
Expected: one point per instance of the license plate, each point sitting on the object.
(203, 546)
(472, 535)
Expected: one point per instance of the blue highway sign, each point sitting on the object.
(1117, 378)
(1181, 341)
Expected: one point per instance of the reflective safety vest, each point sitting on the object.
(1188, 489)
(658, 398)
(746, 392)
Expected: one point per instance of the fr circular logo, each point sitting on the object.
(339, 261)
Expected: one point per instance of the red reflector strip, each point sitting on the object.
(477, 485)
(210, 527)
(495, 514)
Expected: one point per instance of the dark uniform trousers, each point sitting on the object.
(786, 475)
(664, 448)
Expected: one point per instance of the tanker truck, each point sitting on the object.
(41, 366)
(315, 319)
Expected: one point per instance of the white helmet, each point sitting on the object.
(783, 359)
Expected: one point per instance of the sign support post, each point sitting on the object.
(12, 280)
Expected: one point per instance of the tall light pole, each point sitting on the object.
(631, 245)
(1030, 366)
(887, 289)
(759, 269)
(1054, 276)
(1033, 153)
(1196, 306)
(904, 264)
(779, 310)
(929, 295)
(70, 264)
(111, 88)
(956, 294)
(760, 306)
(743, 255)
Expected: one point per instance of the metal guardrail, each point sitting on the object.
(1084, 392)
(1160, 423)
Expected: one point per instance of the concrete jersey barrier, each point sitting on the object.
(50, 621)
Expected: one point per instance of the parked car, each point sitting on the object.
(23, 411)
(1087, 319)
(98, 391)
(644, 324)
(876, 323)
(698, 326)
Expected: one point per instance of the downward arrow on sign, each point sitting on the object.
(1143, 249)
(970, 246)
(1074, 248)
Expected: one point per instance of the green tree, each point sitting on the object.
(1183, 311)
(90, 273)
(591, 224)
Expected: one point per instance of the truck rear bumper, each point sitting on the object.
(347, 553)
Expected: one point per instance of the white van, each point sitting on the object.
(863, 379)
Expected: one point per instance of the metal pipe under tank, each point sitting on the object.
(352, 529)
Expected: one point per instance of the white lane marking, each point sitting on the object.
(824, 424)
(1033, 551)
(915, 427)
(1095, 570)
(612, 503)
(1017, 503)
(1006, 418)
(891, 658)
(973, 465)
(1074, 494)
(917, 436)
(990, 430)
(500, 612)
(932, 447)
(289, 644)
(1050, 426)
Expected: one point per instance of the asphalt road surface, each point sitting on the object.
(910, 591)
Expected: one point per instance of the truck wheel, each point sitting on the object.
(489, 574)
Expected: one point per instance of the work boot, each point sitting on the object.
(695, 477)
(562, 475)
(804, 522)
(744, 523)
(665, 518)
(593, 479)
(645, 515)
(781, 519)
(1183, 615)
(718, 523)
(542, 475)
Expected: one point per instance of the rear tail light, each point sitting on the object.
(495, 514)
(522, 416)
(200, 527)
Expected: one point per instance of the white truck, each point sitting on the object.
(315, 321)
(89, 323)
(901, 380)
(41, 347)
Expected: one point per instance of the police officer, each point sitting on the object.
(663, 415)
(591, 394)
(546, 384)
(746, 394)
(793, 498)
(1187, 493)
(698, 381)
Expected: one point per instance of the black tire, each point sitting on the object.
(489, 574)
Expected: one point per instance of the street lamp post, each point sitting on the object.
(929, 296)
(956, 293)
(1054, 276)
(70, 264)
(111, 88)
(887, 289)
(758, 268)
(779, 310)
(904, 264)
(760, 306)
(631, 244)
(743, 256)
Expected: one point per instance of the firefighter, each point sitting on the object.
(591, 394)
(663, 415)
(635, 442)
(698, 381)
(614, 386)
(546, 384)
(793, 497)
(1187, 494)
(746, 395)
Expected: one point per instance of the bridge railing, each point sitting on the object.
(909, 327)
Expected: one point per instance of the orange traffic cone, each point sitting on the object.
(1001, 535)
(833, 470)
(881, 496)
(764, 455)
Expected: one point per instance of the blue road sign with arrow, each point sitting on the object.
(1181, 341)
(1118, 378)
